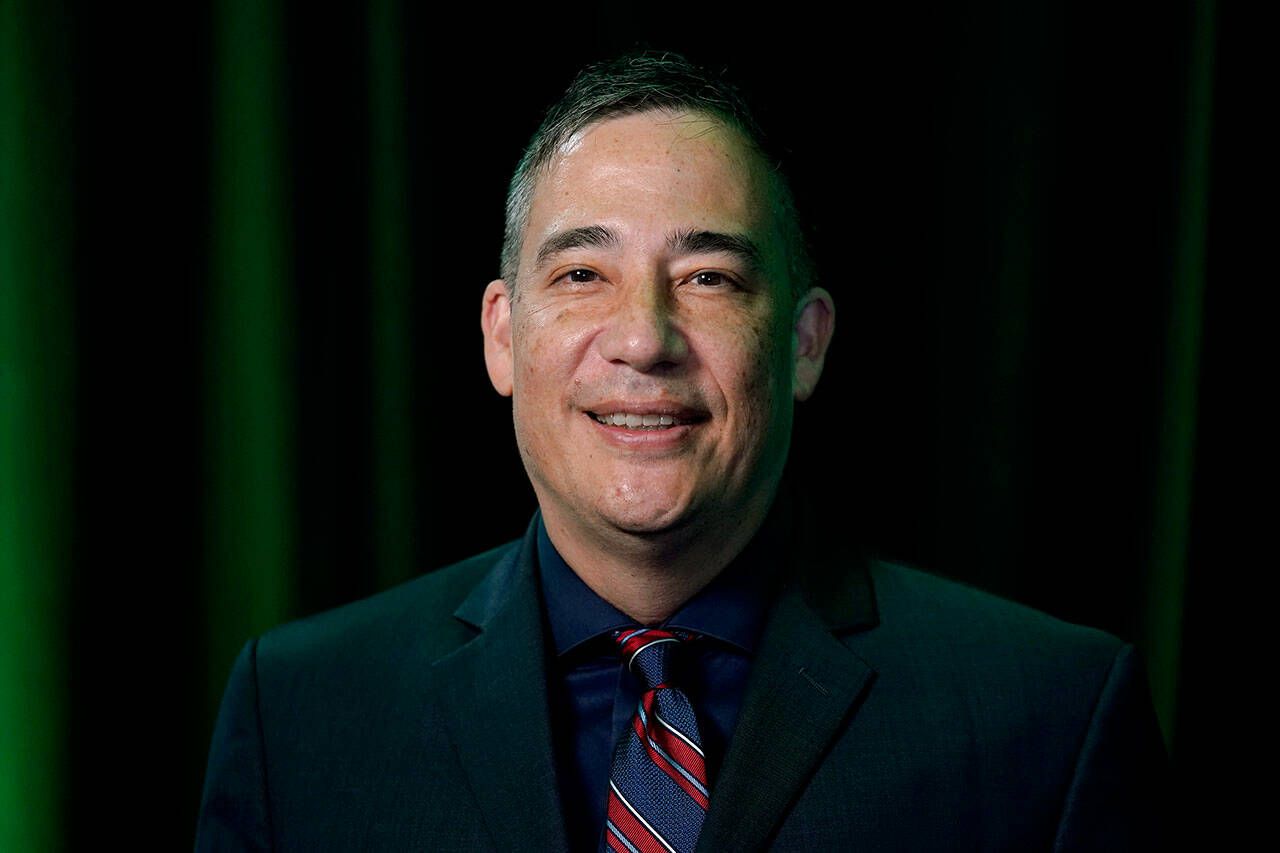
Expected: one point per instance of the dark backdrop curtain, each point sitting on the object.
(242, 248)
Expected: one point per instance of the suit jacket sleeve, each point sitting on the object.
(233, 811)
(1121, 777)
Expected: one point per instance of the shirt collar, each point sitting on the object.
(575, 612)
(731, 608)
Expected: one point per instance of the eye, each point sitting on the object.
(712, 279)
(579, 276)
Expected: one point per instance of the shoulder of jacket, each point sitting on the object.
(926, 606)
(415, 615)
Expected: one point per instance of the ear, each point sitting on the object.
(495, 321)
(815, 322)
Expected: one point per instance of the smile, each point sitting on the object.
(631, 420)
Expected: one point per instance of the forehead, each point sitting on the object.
(652, 172)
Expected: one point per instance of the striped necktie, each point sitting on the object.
(658, 784)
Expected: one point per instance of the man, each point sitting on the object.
(671, 656)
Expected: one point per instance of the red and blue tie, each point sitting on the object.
(658, 785)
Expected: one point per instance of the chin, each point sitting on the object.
(648, 515)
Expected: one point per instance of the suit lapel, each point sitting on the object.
(804, 686)
(493, 692)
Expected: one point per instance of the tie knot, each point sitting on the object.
(647, 652)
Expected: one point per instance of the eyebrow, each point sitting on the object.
(686, 242)
(588, 236)
(691, 242)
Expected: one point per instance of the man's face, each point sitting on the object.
(649, 346)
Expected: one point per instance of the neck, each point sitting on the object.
(649, 576)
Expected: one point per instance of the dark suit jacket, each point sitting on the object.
(887, 710)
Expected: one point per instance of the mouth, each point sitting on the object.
(640, 421)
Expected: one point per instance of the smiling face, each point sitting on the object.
(653, 346)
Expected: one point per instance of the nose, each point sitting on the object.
(642, 329)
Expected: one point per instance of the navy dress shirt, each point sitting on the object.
(593, 697)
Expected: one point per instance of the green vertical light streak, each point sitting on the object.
(1176, 461)
(250, 423)
(36, 425)
(392, 315)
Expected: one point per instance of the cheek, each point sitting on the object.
(757, 370)
(548, 341)
(529, 341)
(547, 346)
(765, 366)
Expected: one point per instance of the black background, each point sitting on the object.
(993, 189)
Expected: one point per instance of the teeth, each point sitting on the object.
(634, 421)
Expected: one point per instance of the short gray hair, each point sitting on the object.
(636, 83)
